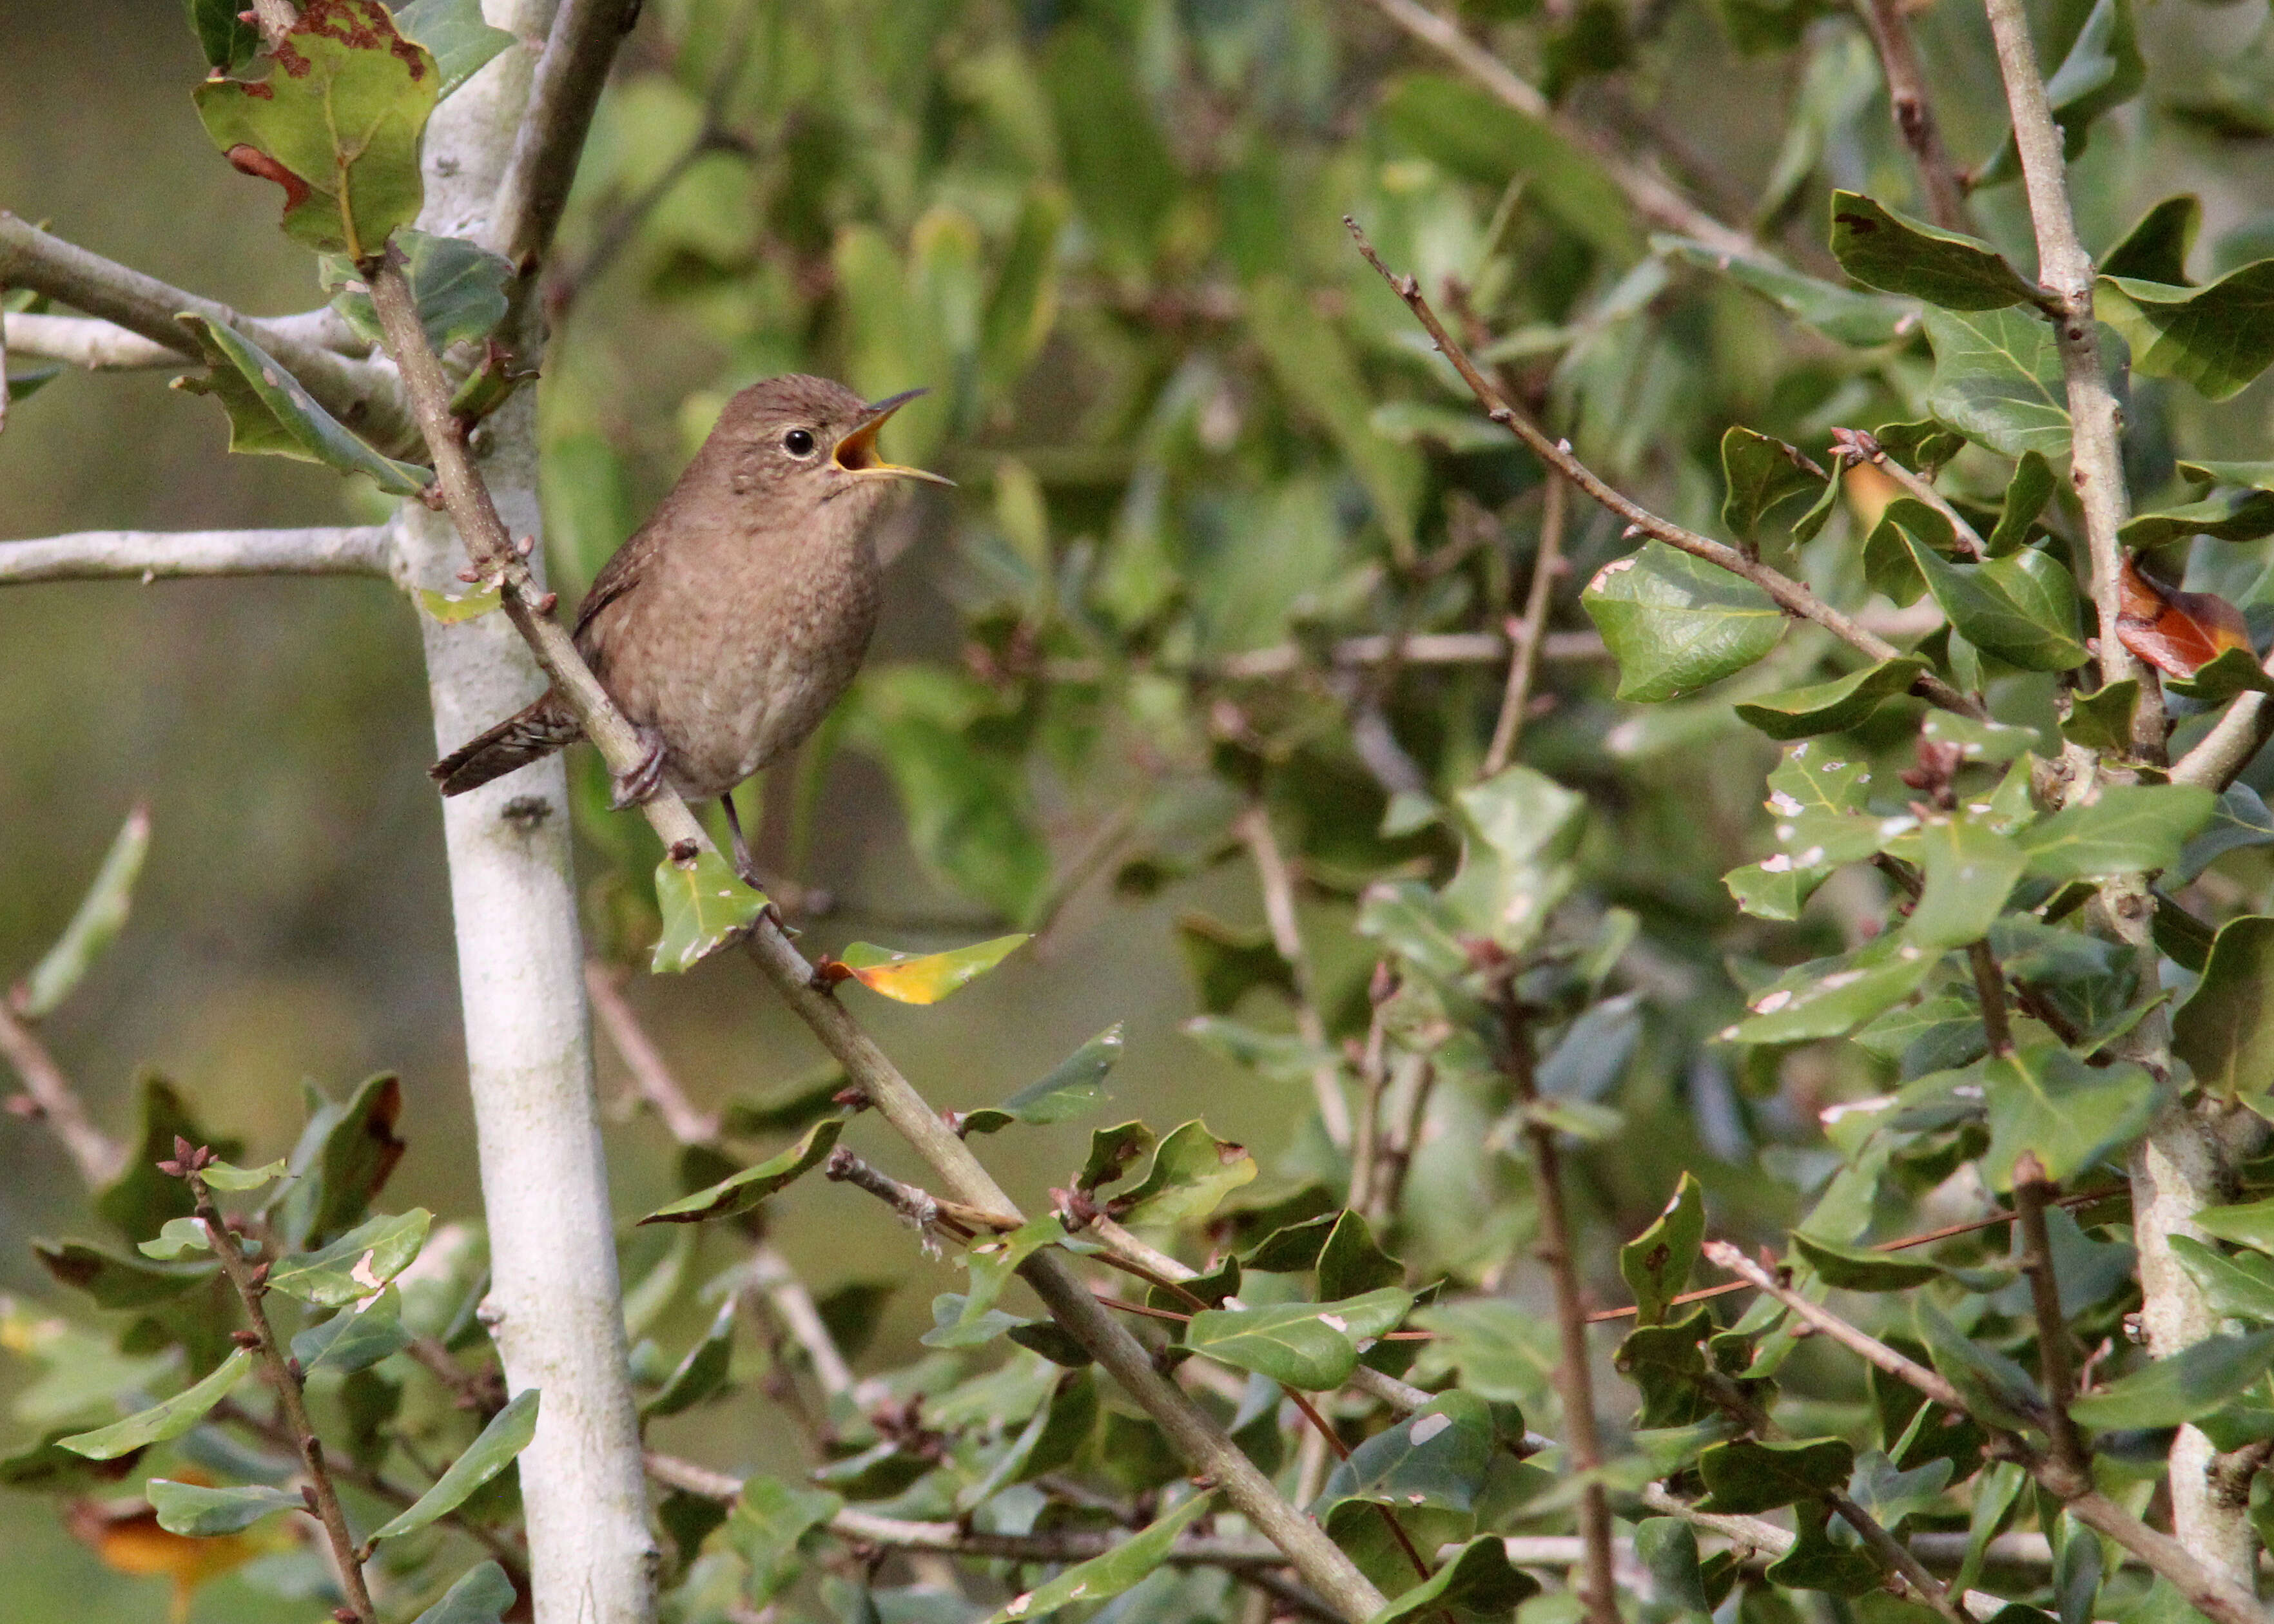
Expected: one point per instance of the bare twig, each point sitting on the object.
(1546, 565)
(1793, 596)
(652, 1079)
(1281, 660)
(100, 346)
(920, 1207)
(49, 1095)
(1915, 122)
(1722, 1255)
(1866, 447)
(1990, 988)
(1254, 828)
(1412, 1084)
(251, 1285)
(161, 555)
(771, 1275)
(1574, 1379)
(2031, 1192)
(1372, 1079)
(567, 88)
(360, 394)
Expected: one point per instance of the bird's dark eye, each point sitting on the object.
(798, 442)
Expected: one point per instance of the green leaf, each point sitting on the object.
(1759, 474)
(1841, 314)
(924, 977)
(1191, 1172)
(1308, 1345)
(1889, 1496)
(2157, 249)
(1882, 248)
(2021, 607)
(991, 1261)
(1818, 1562)
(2225, 1029)
(746, 1189)
(337, 125)
(141, 1199)
(2257, 476)
(115, 1281)
(2130, 829)
(344, 1157)
(1476, 1583)
(702, 1372)
(1123, 174)
(505, 1436)
(355, 1265)
(797, 1104)
(1108, 1576)
(1111, 1150)
(2241, 1287)
(1832, 707)
(1293, 1248)
(2103, 69)
(2044, 1099)
(1437, 1456)
(1656, 1264)
(2242, 819)
(176, 1236)
(1971, 870)
(769, 1519)
(228, 41)
(2101, 719)
(704, 905)
(1073, 1087)
(2026, 492)
(1350, 1262)
(2189, 1385)
(1521, 829)
(1826, 998)
(1226, 965)
(1986, 743)
(2250, 1223)
(1023, 307)
(1675, 623)
(94, 927)
(1315, 367)
(1744, 1476)
(162, 1423)
(2233, 513)
(226, 1176)
(2232, 670)
(454, 30)
(2217, 337)
(458, 287)
(357, 1337)
(1281, 1057)
(199, 1512)
(1855, 1268)
(1998, 380)
(270, 412)
(482, 1596)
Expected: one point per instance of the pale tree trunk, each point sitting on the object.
(555, 1304)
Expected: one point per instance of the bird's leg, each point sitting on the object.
(745, 865)
(630, 789)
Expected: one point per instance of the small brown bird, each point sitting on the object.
(728, 627)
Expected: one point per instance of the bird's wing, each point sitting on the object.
(619, 575)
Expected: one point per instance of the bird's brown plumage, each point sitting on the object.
(730, 623)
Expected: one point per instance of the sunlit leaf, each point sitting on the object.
(1831, 707)
(1191, 1172)
(2129, 828)
(1309, 1345)
(355, 1265)
(921, 978)
(2021, 607)
(1971, 870)
(1998, 380)
(1676, 623)
(705, 905)
(357, 1337)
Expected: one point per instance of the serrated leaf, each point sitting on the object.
(270, 411)
(2044, 1099)
(2217, 337)
(705, 906)
(1477, 1581)
(1191, 1172)
(924, 977)
(336, 124)
(1883, 248)
(2130, 829)
(1075, 1085)
(1833, 706)
(1675, 623)
(742, 1191)
(702, 1372)
(505, 1436)
(163, 1422)
(1746, 1476)
(357, 1337)
(357, 1263)
(94, 925)
(2225, 1029)
(199, 1512)
(2187, 1384)
(454, 31)
(2021, 607)
(1308, 1345)
(1104, 1576)
(1656, 1264)
(1998, 380)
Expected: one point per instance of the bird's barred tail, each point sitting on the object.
(529, 734)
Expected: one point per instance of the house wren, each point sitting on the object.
(727, 628)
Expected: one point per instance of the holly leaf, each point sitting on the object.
(1191, 1172)
(704, 905)
(1998, 380)
(1476, 1583)
(1744, 1476)
(2130, 829)
(336, 124)
(919, 978)
(742, 1191)
(1675, 623)
(2045, 1100)
(1883, 248)
(2217, 337)
(2021, 607)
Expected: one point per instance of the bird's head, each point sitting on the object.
(797, 441)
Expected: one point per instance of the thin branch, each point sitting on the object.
(1651, 197)
(251, 1284)
(571, 73)
(919, 1207)
(1793, 596)
(164, 555)
(100, 346)
(1574, 1380)
(1722, 1255)
(2234, 739)
(1915, 121)
(49, 1096)
(1865, 447)
(1408, 1107)
(1254, 828)
(2065, 270)
(2031, 1193)
(1990, 988)
(771, 1276)
(1196, 1436)
(652, 1079)
(1372, 1079)
(362, 394)
(1547, 565)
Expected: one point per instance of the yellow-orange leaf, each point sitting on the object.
(917, 978)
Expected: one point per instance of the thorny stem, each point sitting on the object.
(2031, 1192)
(251, 1285)
(1574, 1381)
(1914, 115)
(1523, 660)
(1795, 598)
(1990, 988)
(1278, 882)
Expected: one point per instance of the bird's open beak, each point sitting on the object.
(856, 453)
